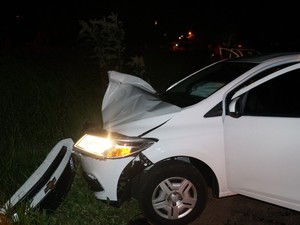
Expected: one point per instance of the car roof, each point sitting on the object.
(264, 57)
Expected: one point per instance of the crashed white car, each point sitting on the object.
(233, 126)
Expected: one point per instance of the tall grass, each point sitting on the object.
(45, 99)
(40, 105)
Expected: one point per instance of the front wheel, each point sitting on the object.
(173, 192)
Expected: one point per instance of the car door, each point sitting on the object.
(262, 138)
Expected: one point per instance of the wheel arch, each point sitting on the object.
(207, 173)
(132, 175)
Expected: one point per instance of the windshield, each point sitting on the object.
(204, 83)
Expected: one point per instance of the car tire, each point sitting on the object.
(173, 192)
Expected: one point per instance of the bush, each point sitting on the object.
(105, 39)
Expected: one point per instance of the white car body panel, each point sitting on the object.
(250, 162)
(252, 154)
(208, 144)
(103, 171)
(129, 98)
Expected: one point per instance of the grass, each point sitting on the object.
(48, 97)
(81, 207)
(40, 105)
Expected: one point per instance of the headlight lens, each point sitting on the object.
(110, 146)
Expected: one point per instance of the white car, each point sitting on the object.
(228, 53)
(233, 126)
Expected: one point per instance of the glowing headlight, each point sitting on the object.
(111, 147)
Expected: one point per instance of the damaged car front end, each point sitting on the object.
(122, 158)
(113, 161)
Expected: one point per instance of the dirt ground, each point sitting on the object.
(240, 210)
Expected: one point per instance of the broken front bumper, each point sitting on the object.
(51, 181)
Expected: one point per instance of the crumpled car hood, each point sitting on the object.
(129, 98)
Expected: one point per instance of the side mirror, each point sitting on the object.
(235, 108)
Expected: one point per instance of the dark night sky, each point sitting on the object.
(253, 22)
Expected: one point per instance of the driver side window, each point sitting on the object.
(277, 97)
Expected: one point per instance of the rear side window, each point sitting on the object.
(277, 97)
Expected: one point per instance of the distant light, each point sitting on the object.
(155, 23)
(190, 35)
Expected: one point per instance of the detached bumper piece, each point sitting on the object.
(51, 181)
